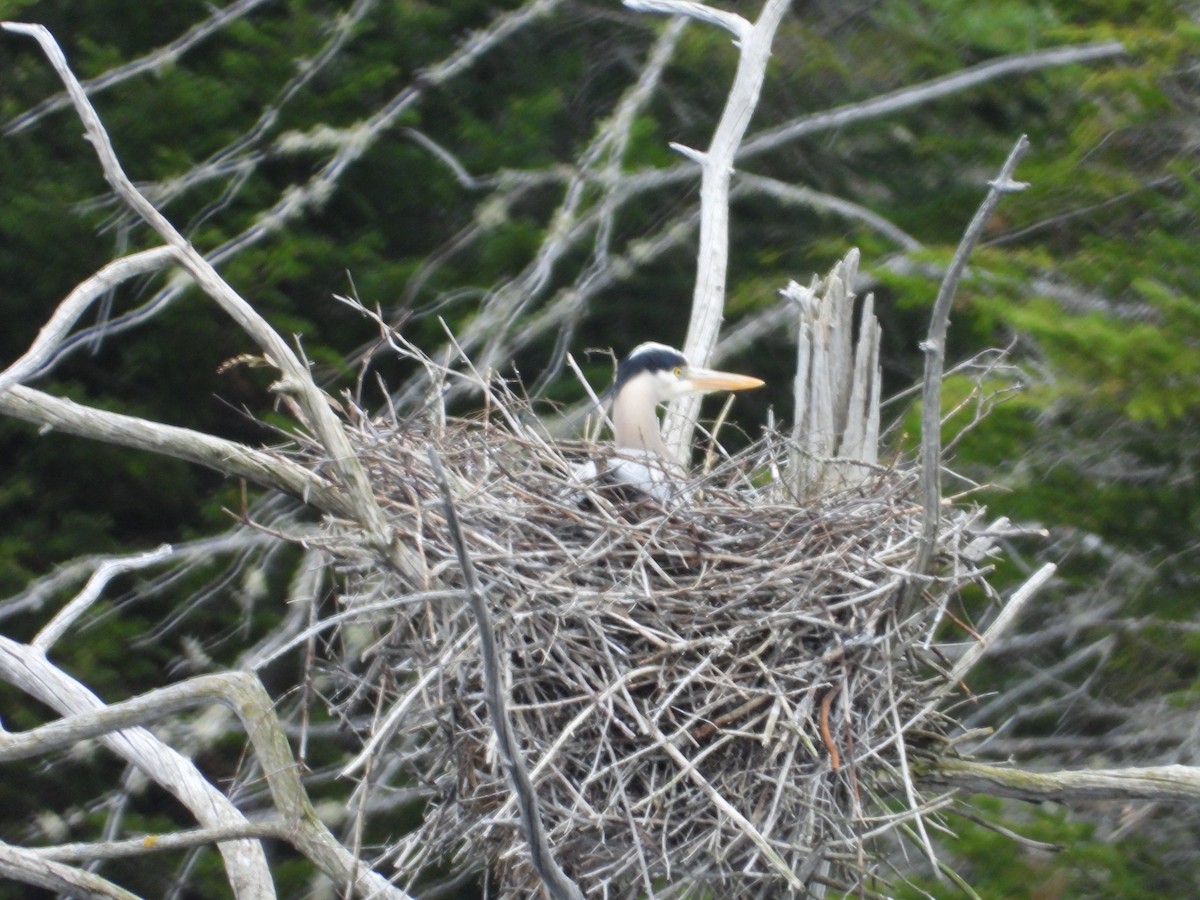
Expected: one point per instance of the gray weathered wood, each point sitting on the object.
(835, 423)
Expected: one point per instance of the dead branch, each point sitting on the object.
(798, 195)
(929, 91)
(731, 22)
(146, 844)
(353, 142)
(716, 168)
(494, 335)
(1001, 624)
(228, 457)
(934, 347)
(298, 378)
(238, 159)
(68, 312)
(1168, 783)
(105, 572)
(154, 61)
(29, 671)
(836, 389)
(27, 867)
(119, 727)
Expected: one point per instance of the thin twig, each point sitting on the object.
(164, 843)
(929, 91)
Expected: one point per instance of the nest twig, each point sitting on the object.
(714, 693)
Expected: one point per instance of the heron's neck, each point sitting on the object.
(635, 423)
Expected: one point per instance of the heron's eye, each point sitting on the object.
(678, 372)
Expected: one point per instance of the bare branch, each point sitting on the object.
(236, 160)
(928, 91)
(29, 671)
(27, 867)
(104, 573)
(492, 334)
(1178, 783)
(541, 855)
(76, 303)
(1008, 615)
(357, 140)
(708, 299)
(322, 419)
(793, 194)
(239, 691)
(37, 593)
(835, 425)
(934, 347)
(352, 143)
(731, 22)
(155, 61)
(163, 843)
(227, 457)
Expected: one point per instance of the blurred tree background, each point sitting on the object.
(499, 167)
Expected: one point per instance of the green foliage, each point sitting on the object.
(997, 867)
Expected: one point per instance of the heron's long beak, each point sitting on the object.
(712, 380)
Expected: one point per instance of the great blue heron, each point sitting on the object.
(650, 375)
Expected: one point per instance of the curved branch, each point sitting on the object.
(76, 303)
(105, 572)
(240, 692)
(30, 672)
(731, 22)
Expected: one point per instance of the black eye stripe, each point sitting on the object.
(653, 359)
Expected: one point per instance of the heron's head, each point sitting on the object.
(661, 373)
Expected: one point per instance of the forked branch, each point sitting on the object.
(296, 375)
(120, 726)
(716, 165)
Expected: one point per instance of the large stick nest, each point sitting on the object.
(713, 693)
